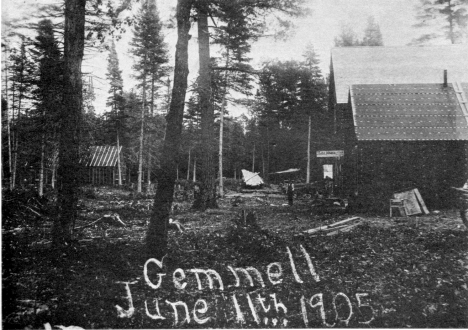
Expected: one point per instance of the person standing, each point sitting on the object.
(290, 192)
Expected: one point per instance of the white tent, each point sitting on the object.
(252, 179)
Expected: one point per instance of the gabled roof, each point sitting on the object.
(101, 156)
(397, 65)
(410, 112)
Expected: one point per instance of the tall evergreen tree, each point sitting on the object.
(207, 196)
(314, 93)
(150, 53)
(48, 92)
(115, 99)
(290, 106)
(449, 18)
(70, 122)
(21, 72)
(347, 37)
(156, 237)
(234, 37)
(372, 34)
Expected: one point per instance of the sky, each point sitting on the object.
(395, 17)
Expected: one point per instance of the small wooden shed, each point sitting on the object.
(100, 166)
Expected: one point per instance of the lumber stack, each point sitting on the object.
(336, 227)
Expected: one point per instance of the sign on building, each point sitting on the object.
(330, 153)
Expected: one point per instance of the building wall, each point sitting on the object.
(102, 176)
(374, 170)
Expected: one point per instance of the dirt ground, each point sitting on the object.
(414, 271)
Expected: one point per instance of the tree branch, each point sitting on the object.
(223, 68)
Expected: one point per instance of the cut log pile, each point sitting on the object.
(337, 227)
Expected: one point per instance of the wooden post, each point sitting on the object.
(308, 150)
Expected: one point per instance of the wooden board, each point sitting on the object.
(343, 221)
(345, 229)
(421, 201)
(411, 202)
(323, 229)
(334, 225)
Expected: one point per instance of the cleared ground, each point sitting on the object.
(386, 272)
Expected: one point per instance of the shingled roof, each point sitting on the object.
(410, 111)
(397, 65)
(105, 156)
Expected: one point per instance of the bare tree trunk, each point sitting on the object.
(156, 237)
(195, 169)
(253, 159)
(9, 149)
(41, 170)
(16, 143)
(207, 197)
(188, 165)
(142, 136)
(8, 119)
(221, 129)
(308, 150)
(149, 138)
(13, 137)
(263, 161)
(71, 115)
(54, 170)
(268, 169)
(119, 167)
(451, 19)
(15, 159)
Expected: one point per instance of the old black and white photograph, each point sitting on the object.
(218, 164)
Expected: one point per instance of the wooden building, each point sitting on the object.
(400, 123)
(100, 166)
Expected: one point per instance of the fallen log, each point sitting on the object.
(345, 229)
(344, 221)
(331, 226)
(109, 219)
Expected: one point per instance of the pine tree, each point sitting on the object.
(372, 34)
(115, 99)
(156, 237)
(150, 52)
(448, 17)
(48, 93)
(290, 106)
(314, 93)
(234, 37)
(71, 119)
(347, 37)
(21, 71)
